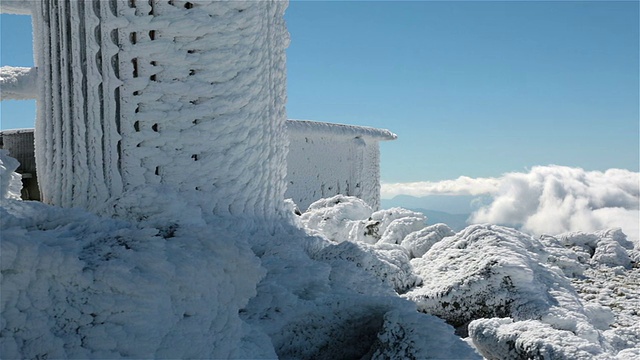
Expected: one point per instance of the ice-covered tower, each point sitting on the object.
(190, 94)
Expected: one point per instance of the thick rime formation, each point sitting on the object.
(488, 271)
(514, 294)
(330, 159)
(185, 93)
(10, 181)
(78, 286)
(162, 281)
(169, 117)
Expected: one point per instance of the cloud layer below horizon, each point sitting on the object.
(546, 200)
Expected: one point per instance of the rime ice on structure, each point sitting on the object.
(329, 159)
(189, 94)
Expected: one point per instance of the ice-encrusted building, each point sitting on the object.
(189, 94)
(324, 159)
(329, 159)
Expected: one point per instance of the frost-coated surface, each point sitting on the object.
(574, 295)
(10, 180)
(187, 94)
(172, 285)
(329, 159)
(78, 286)
(164, 280)
(17, 83)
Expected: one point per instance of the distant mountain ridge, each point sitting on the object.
(452, 204)
(451, 210)
(456, 222)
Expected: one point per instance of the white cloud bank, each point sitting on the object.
(548, 199)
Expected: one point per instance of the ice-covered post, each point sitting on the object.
(189, 94)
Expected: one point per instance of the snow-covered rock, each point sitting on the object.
(504, 338)
(389, 264)
(338, 218)
(488, 271)
(317, 301)
(347, 218)
(419, 242)
(406, 336)
(606, 247)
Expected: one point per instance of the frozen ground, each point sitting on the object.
(340, 281)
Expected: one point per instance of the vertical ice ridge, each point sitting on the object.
(77, 163)
(78, 51)
(41, 59)
(57, 147)
(110, 84)
(68, 84)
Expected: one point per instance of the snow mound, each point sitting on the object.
(388, 264)
(315, 302)
(10, 180)
(337, 218)
(515, 296)
(166, 282)
(163, 279)
(419, 242)
(487, 271)
(346, 218)
(404, 329)
(75, 285)
(503, 338)
(606, 247)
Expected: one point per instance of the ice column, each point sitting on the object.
(188, 94)
(78, 140)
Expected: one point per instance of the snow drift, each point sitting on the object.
(174, 284)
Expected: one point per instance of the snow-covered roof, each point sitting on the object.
(307, 126)
(16, 131)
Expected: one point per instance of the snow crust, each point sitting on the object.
(162, 279)
(514, 296)
(18, 83)
(174, 285)
(75, 285)
(338, 130)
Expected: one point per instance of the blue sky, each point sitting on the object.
(471, 88)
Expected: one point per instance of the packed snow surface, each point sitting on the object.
(160, 279)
